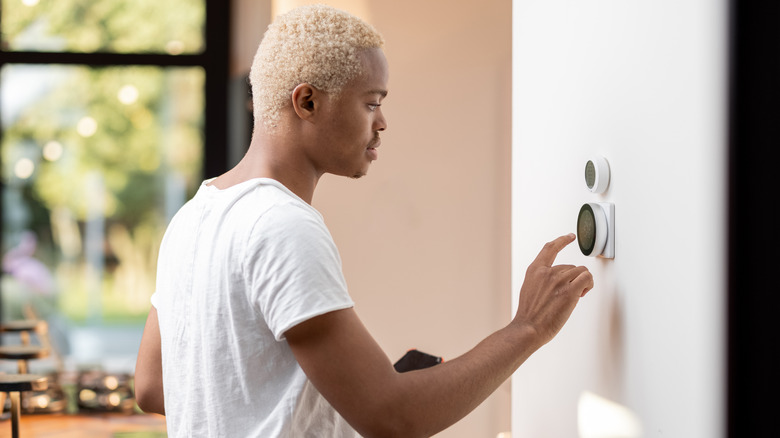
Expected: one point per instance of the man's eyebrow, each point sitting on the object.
(382, 93)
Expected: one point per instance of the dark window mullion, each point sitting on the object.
(215, 155)
(101, 59)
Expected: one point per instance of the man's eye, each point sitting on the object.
(373, 106)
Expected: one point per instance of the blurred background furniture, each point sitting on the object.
(14, 385)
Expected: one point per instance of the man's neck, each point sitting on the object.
(270, 157)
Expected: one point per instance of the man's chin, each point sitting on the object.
(359, 174)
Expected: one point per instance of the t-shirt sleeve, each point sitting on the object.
(294, 269)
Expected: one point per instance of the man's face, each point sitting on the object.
(350, 136)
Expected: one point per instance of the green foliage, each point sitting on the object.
(121, 135)
(123, 26)
(132, 147)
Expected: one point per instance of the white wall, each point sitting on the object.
(642, 83)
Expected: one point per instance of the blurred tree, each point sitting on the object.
(125, 134)
(133, 145)
(122, 26)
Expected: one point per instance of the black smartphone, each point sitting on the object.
(416, 360)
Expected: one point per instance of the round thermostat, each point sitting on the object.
(590, 221)
(597, 174)
(596, 229)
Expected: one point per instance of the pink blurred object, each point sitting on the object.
(20, 263)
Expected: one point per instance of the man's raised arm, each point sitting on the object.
(353, 373)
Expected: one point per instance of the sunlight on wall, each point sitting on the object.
(358, 8)
(598, 417)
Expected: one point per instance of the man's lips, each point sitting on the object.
(371, 149)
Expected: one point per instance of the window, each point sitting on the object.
(111, 112)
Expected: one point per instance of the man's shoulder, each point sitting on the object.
(289, 216)
(271, 212)
(294, 229)
(257, 200)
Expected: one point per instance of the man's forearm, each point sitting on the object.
(432, 399)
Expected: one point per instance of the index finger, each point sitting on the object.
(551, 249)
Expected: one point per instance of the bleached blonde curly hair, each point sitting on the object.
(314, 44)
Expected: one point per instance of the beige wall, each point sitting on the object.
(425, 236)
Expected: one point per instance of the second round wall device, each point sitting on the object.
(597, 174)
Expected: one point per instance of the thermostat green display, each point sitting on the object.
(597, 174)
(596, 229)
(586, 230)
(590, 174)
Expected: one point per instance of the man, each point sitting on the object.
(252, 331)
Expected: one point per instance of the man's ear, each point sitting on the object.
(305, 101)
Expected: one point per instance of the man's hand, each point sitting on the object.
(550, 293)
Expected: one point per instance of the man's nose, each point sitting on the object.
(380, 124)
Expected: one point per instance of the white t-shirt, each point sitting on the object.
(237, 268)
